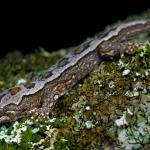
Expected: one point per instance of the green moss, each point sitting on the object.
(107, 98)
(65, 140)
(95, 104)
(93, 109)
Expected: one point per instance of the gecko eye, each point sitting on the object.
(30, 85)
(15, 90)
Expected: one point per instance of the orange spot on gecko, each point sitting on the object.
(15, 90)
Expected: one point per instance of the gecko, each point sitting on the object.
(43, 92)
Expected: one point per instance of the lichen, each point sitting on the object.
(109, 107)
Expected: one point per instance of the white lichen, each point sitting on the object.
(125, 72)
(16, 133)
(121, 121)
(132, 93)
(35, 130)
(111, 84)
(87, 108)
(129, 111)
(21, 81)
(122, 65)
(89, 124)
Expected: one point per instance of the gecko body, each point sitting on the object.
(43, 92)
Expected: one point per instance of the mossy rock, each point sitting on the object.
(108, 107)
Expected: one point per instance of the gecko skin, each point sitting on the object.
(43, 92)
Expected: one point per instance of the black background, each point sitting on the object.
(26, 27)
